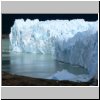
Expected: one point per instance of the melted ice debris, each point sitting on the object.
(65, 75)
(71, 41)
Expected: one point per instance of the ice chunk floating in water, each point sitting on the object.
(74, 42)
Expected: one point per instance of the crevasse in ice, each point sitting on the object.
(71, 41)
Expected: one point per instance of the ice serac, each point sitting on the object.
(71, 41)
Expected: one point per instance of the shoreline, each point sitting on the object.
(5, 36)
(17, 80)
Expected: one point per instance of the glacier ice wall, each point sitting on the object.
(71, 41)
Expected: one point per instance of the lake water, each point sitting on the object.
(33, 65)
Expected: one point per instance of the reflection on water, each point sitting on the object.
(34, 65)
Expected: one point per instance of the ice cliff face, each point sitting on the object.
(74, 41)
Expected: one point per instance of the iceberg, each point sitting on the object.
(65, 75)
(70, 41)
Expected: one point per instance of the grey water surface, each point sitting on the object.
(33, 65)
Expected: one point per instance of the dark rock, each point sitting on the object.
(16, 80)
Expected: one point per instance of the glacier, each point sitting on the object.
(70, 41)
